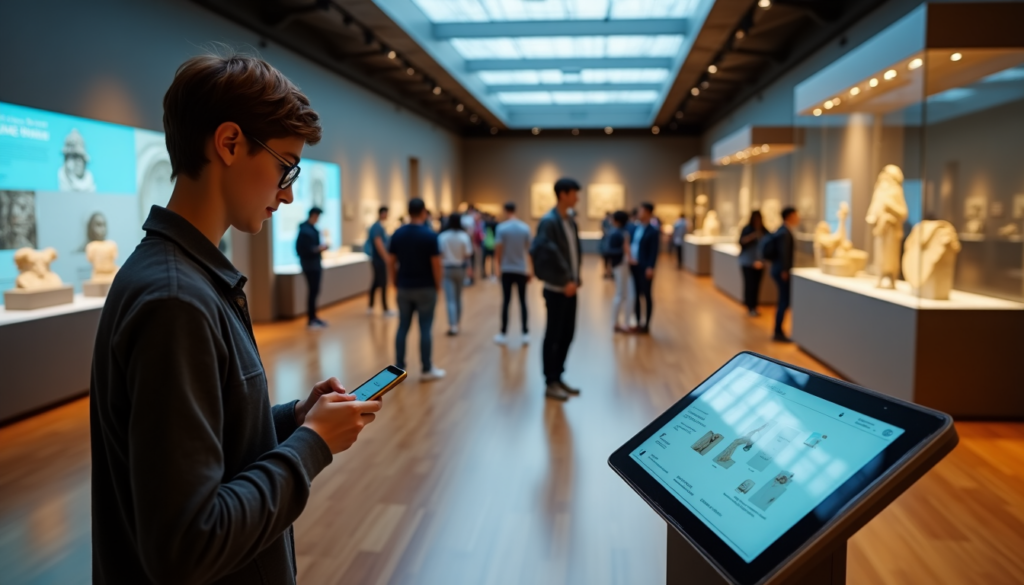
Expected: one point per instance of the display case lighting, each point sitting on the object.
(695, 92)
(392, 55)
(914, 64)
(608, 130)
(956, 57)
(437, 90)
(535, 130)
(854, 91)
(890, 75)
(817, 111)
(873, 82)
(459, 108)
(410, 71)
(828, 105)
(655, 130)
(712, 69)
(575, 131)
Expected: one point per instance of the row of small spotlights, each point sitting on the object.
(873, 82)
(437, 90)
(576, 131)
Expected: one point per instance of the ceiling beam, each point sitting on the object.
(569, 64)
(575, 87)
(560, 28)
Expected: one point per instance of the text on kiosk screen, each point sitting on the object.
(752, 456)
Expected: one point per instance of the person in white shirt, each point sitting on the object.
(456, 256)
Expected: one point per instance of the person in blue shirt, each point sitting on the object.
(414, 264)
(376, 248)
(309, 249)
(644, 245)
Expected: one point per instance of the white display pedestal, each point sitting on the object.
(697, 252)
(47, 354)
(96, 289)
(961, 356)
(344, 276)
(28, 300)
(590, 242)
(728, 276)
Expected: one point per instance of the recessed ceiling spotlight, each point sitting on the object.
(459, 108)
(655, 130)
(765, 147)
(474, 118)
(437, 90)
(695, 91)
(410, 71)
(608, 130)
(535, 130)
(873, 82)
(493, 130)
(915, 64)
(890, 74)
(575, 131)
(828, 105)
(741, 33)
(712, 69)
(764, 4)
(854, 90)
(836, 101)
(817, 111)
(704, 85)
(392, 55)
(679, 115)
(956, 57)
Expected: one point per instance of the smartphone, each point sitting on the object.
(380, 384)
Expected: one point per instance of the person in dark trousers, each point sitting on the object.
(512, 253)
(309, 249)
(784, 244)
(196, 478)
(377, 248)
(679, 229)
(414, 263)
(644, 246)
(751, 262)
(556, 257)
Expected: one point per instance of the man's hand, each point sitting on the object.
(649, 273)
(570, 289)
(339, 418)
(326, 387)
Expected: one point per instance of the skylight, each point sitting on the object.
(569, 98)
(569, 47)
(557, 76)
(498, 10)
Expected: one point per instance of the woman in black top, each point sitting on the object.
(751, 262)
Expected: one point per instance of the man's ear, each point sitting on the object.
(228, 142)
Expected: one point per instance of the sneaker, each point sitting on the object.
(569, 389)
(500, 339)
(555, 392)
(390, 313)
(781, 338)
(435, 373)
(526, 339)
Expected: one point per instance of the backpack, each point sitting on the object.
(770, 247)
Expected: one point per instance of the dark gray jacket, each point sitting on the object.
(195, 478)
(550, 251)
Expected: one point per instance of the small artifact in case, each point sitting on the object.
(36, 286)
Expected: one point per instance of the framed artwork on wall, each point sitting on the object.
(542, 199)
(605, 198)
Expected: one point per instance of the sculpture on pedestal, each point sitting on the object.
(712, 227)
(886, 214)
(700, 208)
(101, 254)
(34, 269)
(929, 259)
(771, 211)
(834, 252)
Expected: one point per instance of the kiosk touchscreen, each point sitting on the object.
(765, 466)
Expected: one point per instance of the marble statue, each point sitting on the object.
(886, 214)
(34, 269)
(712, 227)
(834, 252)
(929, 259)
(700, 208)
(975, 214)
(101, 254)
(771, 215)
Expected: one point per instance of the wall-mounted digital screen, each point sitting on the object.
(318, 185)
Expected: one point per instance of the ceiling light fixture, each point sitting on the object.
(712, 69)
(459, 108)
(915, 64)
(828, 105)
(766, 4)
(704, 85)
(608, 130)
(437, 90)
(410, 71)
(817, 111)
(679, 115)
(854, 90)
(836, 101)
(956, 57)
(474, 118)
(695, 91)
(575, 131)
(392, 55)
(741, 33)
(873, 82)
(493, 130)
(535, 130)
(890, 74)
(655, 130)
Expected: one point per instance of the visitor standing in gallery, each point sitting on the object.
(377, 248)
(456, 251)
(556, 257)
(644, 246)
(780, 249)
(414, 264)
(620, 261)
(679, 230)
(196, 478)
(512, 257)
(751, 262)
(309, 250)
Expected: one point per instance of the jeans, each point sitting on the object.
(561, 325)
(785, 288)
(421, 301)
(380, 281)
(507, 280)
(313, 278)
(643, 289)
(454, 279)
(623, 294)
(751, 286)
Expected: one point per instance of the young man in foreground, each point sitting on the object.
(195, 477)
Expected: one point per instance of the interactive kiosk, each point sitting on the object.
(765, 470)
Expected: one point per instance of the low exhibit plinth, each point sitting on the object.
(590, 242)
(96, 289)
(961, 356)
(728, 275)
(27, 300)
(697, 252)
(47, 356)
(343, 277)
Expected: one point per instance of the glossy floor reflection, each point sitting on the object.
(477, 479)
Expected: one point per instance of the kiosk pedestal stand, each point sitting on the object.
(686, 566)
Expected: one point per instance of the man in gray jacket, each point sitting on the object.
(556, 261)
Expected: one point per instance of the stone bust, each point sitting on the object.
(101, 254)
(34, 268)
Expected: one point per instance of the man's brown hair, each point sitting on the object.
(209, 90)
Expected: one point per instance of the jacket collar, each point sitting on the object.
(170, 225)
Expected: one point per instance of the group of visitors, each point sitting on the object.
(630, 248)
(757, 246)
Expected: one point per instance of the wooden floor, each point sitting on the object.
(478, 480)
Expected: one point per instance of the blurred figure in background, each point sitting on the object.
(376, 248)
(751, 262)
(456, 251)
(512, 253)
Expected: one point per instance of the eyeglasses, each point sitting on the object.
(291, 171)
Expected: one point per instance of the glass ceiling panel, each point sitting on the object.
(556, 76)
(569, 47)
(577, 97)
(500, 10)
